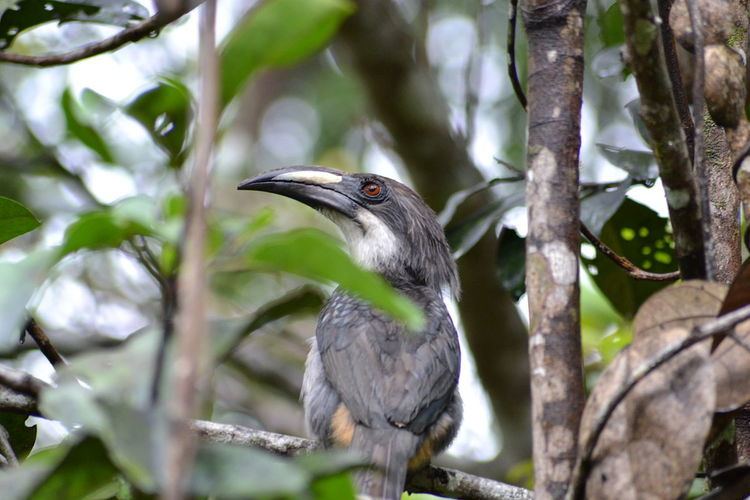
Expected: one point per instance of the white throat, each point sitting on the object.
(372, 244)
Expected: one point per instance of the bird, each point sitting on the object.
(371, 384)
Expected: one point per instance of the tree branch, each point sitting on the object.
(21, 381)
(716, 327)
(699, 166)
(16, 402)
(673, 68)
(659, 114)
(435, 480)
(633, 271)
(555, 33)
(137, 32)
(724, 202)
(43, 342)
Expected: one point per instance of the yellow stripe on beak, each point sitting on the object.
(309, 177)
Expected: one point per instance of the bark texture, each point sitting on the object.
(659, 113)
(555, 33)
(407, 100)
(725, 257)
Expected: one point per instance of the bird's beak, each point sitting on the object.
(320, 188)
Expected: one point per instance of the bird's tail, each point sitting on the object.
(389, 452)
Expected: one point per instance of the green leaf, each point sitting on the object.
(85, 469)
(62, 472)
(93, 231)
(641, 165)
(22, 437)
(82, 131)
(611, 26)
(338, 487)
(113, 403)
(15, 219)
(464, 234)
(315, 255)
(511, 262)
(639, 234)
(304, 300)
(597, 208)
(166, 112)
(239, 472)
(29, 13)
(608, 63)
(110, 227)
(277, 33)
(456, 199)
(634, 110)
(20, 280)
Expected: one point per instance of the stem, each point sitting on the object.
(191, 321)
(512, 69)
(42, 341)
(141, 30)
(633, 271)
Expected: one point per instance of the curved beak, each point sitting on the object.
(317, 187)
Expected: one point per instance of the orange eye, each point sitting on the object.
(371, 189)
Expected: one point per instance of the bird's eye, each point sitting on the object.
(371, 189)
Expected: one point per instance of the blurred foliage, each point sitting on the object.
(277, 33)
(165, 111)
(102, 169)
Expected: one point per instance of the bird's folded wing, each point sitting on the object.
(386, 375)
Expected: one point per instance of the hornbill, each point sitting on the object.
(371, 384)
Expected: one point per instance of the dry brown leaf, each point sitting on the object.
(731, 359)
(731, 363)
(652, 443)
(687, 304)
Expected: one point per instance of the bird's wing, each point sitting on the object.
(385, 373)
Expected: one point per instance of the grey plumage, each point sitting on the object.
(370, 384)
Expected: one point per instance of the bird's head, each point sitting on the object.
(388, 227)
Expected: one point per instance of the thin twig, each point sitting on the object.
(167, 287)
(42, 341)
(512, 69)
(168, 310)
(698, 334)
(633, 271)
(191, 355)
(673, 68)
(6, 449)
(699, 166)
(13, 401)
(147, 28)
(21, 381)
